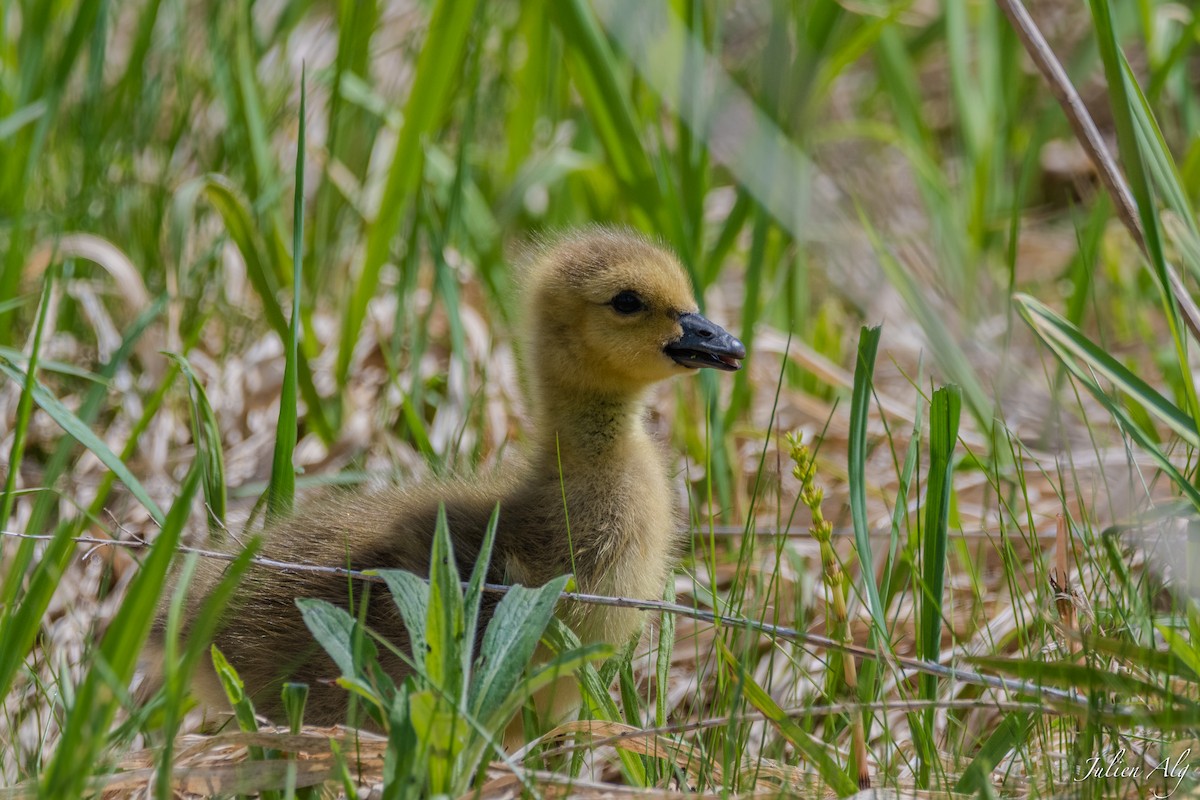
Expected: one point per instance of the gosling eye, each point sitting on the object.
(627, 303)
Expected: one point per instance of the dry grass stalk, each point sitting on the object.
(1060, 582)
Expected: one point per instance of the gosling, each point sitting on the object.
(608, 315)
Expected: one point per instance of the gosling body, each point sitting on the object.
(607, 314)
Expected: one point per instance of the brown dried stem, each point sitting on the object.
(1088, 134)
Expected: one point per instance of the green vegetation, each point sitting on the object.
(250, 248)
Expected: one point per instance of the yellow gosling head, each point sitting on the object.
(610, 313)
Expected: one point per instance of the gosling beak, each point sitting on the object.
(705, 344)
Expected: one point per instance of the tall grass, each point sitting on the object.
(816, 165)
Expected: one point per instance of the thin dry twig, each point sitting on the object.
(1065, 697)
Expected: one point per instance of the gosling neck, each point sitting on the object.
(585, 427)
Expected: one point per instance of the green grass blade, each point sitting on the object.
(1077, 351)
(1122, 417)
(900, 509)
(438, 63)
(597, 700)
(1170, 662)
(662, 662)
(945, 344)
(178, 671)
(131, 83)
(814, 750)
(961, 54)
(90, 408)
(944, 413)
(51, 365)
(281, 492)
(243, 708)
(595, 70)
(248, 110)
(75, 428)
(21, 623)
(206, 436)
(1183, 647)
(1010, 735)
(1162, 167)
(241, 228)
(868, 345)
(1084, 678)
(95, 705)
(1136, 174)
(20, 430)
(252, 128)
(350, 129)
(533, 28)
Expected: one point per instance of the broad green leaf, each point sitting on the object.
(474, 596)
(442, 733)
(509, 642)
(333, 628)
(404, 765)
(444, 623)
(546, 674)
(411, 595)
